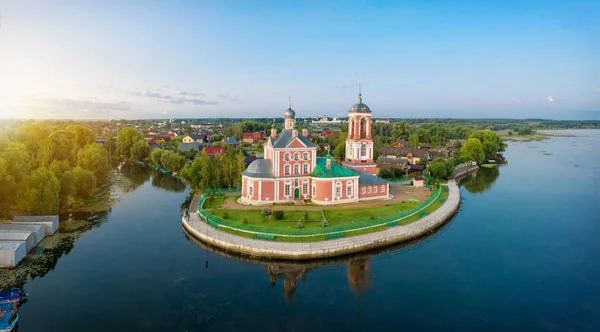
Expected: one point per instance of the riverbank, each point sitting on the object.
(323, 249)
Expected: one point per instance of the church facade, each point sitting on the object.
(291, 169)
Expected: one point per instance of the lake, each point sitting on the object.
(522, 254)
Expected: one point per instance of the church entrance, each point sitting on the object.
(296, 193)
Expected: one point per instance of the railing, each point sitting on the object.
(214, 220)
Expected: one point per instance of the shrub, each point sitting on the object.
(265, 212)
(372, 216)
(211, 198)
(225, 215)
(325, 223)
(245, 220)
(299, 225)
(278, 215)
(305, 215)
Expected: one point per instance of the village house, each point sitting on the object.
(229, 141)
(253, 137)
(414, 156)
(214, 150)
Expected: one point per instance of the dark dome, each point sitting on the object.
(289, 114)
(360, 107)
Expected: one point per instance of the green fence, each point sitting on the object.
(292, 230)
(223, 191)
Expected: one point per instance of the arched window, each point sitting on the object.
(338, 189)
(305, 188)
(296, 156)
(286, 157)
(296, 169)
(363, 150)
(349, 189)
(305, 155)
(363, 128)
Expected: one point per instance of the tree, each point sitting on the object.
(63, 172)
(400, 130)
(207, 171)
(492, 144)
(140, 150)
(95, 159)
(340, 150)
(18, 161)
(7, 189)
(83, 136)
(32, 135)
(59, 145)
(126, 138)
(413, 141)
(241, 166)
(192, 173)
(473, 149)
(156, 156)
(85, 183)
(41, 195)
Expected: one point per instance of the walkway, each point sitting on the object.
(330, 248)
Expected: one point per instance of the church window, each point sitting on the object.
(250, 188)
(305, 188)
(349, 188)
(296, 156)
(375, 189)
(363, 190)
(363, 150)
(296, 169)
(314, 189)
(286, 169)
(287, 190)
(296, 183)
(338, 189)
(383, 188)
(369, 189)
(305, 169)
(286, 157)
(305, 155)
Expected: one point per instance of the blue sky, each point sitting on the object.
(157, 59)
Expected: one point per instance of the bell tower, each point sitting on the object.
(359, 144)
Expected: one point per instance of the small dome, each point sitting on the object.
(360, 107)
(289, 114)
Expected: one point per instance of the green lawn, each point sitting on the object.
(341, 216)
(255, 217)
(217, 202)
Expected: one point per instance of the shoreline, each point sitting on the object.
(323, 249)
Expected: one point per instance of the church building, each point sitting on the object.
(291, 169)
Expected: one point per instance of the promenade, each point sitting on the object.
(322, 249)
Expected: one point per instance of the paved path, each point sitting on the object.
(330, 248)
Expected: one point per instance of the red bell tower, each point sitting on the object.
(359, 144)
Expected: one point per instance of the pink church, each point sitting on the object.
(291, 169)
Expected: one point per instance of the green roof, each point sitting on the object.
(336, 171)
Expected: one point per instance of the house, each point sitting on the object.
(200, 138)
(291, 169)
(418, 182)
(400, 143)
(384, 162)
(439, 153)
(414, 156)
(153, 145)
(253, 137)
(325, 133)
(214, 150)
(187, 146)
(101, 141)
(149, 137)
(229, 141)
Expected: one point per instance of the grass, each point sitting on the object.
(316, 238)
(216, 203)
(341, 216)
(255, 217)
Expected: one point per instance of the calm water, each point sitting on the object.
(522, 254)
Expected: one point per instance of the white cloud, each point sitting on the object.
(550, 99)
(164, 112)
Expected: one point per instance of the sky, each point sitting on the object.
(172, 59)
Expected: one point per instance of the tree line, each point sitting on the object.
(215, 171)
(46, 169)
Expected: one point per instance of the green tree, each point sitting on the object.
(59, 145)
(340, 150)
(241, 166)
(63, 172)
(492, 144)
(83, 135)
(93, 158)
(207, 171)
(85, 183)
(41, 195)
(32, 135)
(156, 156)
(413, 141)
(126, 138)
(140, 150)
(438, 168)
(400, 130)
(7, 189)
(192, 173)
(18, 161)
(473, 149)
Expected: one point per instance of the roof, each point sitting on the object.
(260, 168)
(365, 178)
(186, 146)
(230, 140)
(336, 171)
(391, 162)
(403, 151)
(212, 150)
(248, 135)
(289, 114)
(285, 138)
(197, 136)
(360, 107)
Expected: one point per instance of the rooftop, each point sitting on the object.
(336, 171)
(285, 138)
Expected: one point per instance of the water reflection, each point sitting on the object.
(137, 174)
(481, 180)
(290, 273)
(167, 182)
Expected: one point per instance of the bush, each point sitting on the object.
(245, 220)
(325, 223)
(211, 198)
(305, 215)
(265, 212)
(372, 216)
(225, 215)
(278, 215)
(299, 225)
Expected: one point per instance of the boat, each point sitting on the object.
(9, 306)
(92, 218)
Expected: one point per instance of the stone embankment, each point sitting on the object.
(464, 171)
(330, 248)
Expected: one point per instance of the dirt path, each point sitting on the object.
(401, 194)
